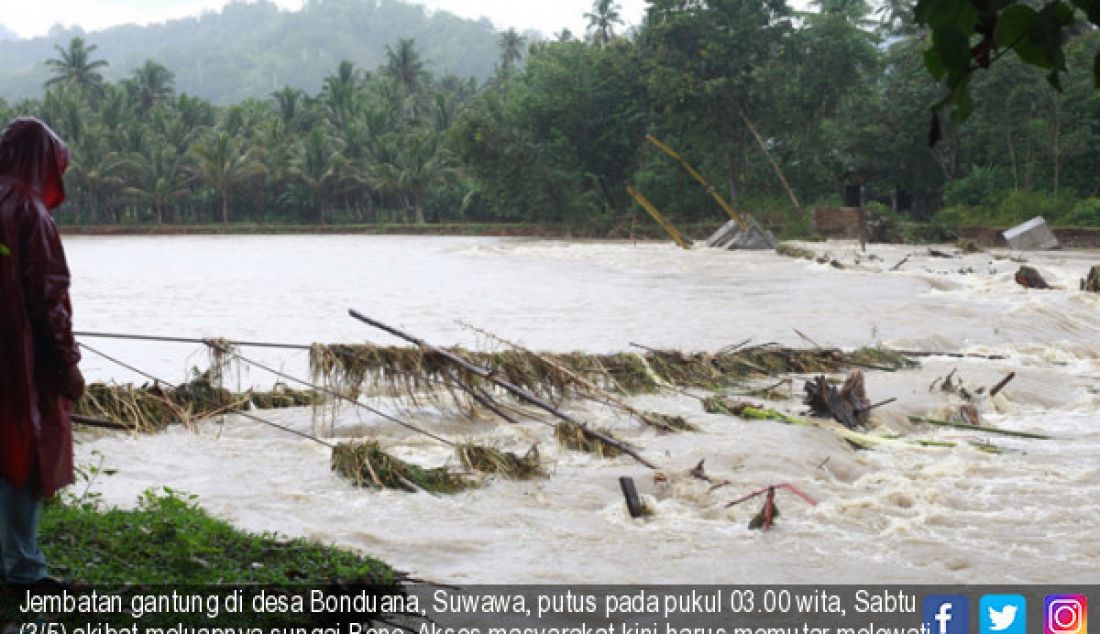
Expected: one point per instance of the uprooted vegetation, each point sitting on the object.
(419, 376)
(367, 465)
(412, 373)
(509, 384)
(574, 437)
(152, 408)
(490, 460)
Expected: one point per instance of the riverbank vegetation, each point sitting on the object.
(169, 539)
(753, 93)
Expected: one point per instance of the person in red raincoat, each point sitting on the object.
(38, 355)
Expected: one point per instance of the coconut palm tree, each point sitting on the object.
(221, 163)
(420, 162)
(75, 67)
(152, 84)
(95, 171)
(66, 112)
(244, 119)
(156, 178)
(290, 102)
(405, 66)
(602, 20)
(195, 112)
(317, 166)
(511, 48)
(445, 111)
(115, 107)
(171, 128)
(340, 94)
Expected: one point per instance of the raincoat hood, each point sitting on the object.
(34, 159)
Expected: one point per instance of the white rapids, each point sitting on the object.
(895, 514)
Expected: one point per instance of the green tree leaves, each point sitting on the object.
(972, 34)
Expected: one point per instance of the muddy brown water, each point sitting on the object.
(898, 513)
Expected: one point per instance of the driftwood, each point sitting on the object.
(967, 412)
(848, 405)
(1028, 277)
(996, 389)
(807, 339)
(519, 393)
(88, 421)
(699, 472)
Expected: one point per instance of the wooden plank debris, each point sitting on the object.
(634, 503)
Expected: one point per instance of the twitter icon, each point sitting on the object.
(1003, 614)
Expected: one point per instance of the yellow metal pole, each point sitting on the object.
(702, 181)
(658, 216)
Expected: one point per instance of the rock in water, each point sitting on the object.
(1030, 278)
(1092, 282)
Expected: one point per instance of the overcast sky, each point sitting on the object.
(33, 18)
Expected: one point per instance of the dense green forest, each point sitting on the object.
(751, 92)
(251, 49)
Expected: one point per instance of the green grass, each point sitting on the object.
(169, 539)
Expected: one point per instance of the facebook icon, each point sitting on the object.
(946, 614)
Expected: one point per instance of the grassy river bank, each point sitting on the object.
(169, 539)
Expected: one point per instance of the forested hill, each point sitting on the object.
(251, 50)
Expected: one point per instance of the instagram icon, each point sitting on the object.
(1065, 614)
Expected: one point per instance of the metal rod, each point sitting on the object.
(243, 344)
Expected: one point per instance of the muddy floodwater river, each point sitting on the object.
(898, 513)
